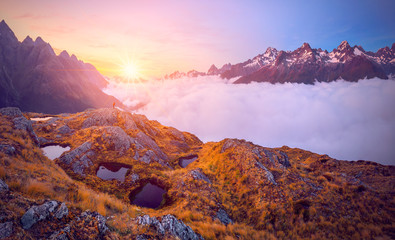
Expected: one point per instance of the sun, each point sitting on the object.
(130, 71)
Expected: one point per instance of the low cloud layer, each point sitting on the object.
(348, 121)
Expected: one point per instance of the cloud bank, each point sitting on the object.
(347, 121)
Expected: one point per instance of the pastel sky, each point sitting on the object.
(163, 36)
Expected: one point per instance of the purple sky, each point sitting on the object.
(160, 37)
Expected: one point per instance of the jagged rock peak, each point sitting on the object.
(40, 41)
(6, 32)
(28, 40)
(343, 45)
(305, 46)
(64, 54)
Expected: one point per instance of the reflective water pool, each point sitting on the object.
(109, 171)
(150, 196)
(185, 161)
(54, 151)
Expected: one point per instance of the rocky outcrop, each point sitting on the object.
(169, 225)
(100, 117)
(116, 139)
(20, 121)
(3, 186)
(223, 217)
(42, 212)
(79, 158)
(153, 153)
(198, 174)
(6, 230)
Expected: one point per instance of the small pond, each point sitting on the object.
(150, 196)
(40, 119)
(110, 171)
(185, 161)
(54, 151)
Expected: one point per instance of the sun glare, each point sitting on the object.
(130, 71)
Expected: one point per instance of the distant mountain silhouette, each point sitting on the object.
(34, 78)
(307, 65)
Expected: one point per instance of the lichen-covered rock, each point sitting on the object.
(229, 143)
(6, 230)
(72, 155)
(283, 159)
(101, 117)
(7, 149)
(3, 186)
(61, 234)
(23, 124)
(65, 130)
(199, 175)
(116, 138)
(153, 153)
(129, 121)
(169, 225)
(269, 175)
(177, 228)
(11, 112)
(223, 217)
(79, 158)
(62, 211)
(37, 213)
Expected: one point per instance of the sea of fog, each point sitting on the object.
(347, 121)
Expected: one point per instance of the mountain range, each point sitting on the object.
(307, 65)
(34, 78)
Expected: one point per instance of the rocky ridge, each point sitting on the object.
(234, 189)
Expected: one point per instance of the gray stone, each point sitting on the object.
(199, 175)
(62, 211)
(37, 213)
(269, 155)
(24, 124)
(283, 160)
(65, 130)
(7, 149)
(117, 138)
(129, 122)
(3, 186)
(171, 225)
(135, 177)
(178, 228)
(229, 143)
(101, 221)
(269, 175)
(43, 141)
(176, 134)
(11, 112)
(71, 156)
(147, 142)
(61, 234)
(101, 117)
(223, 217)
(83, 163)
(6, 229)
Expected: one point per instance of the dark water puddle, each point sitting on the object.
(185, 161)
(54, 151)
(110, 171)
(150, 196)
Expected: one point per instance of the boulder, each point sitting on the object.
(65, 130)
(38, 213)
(170, 225)
(71, 156)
